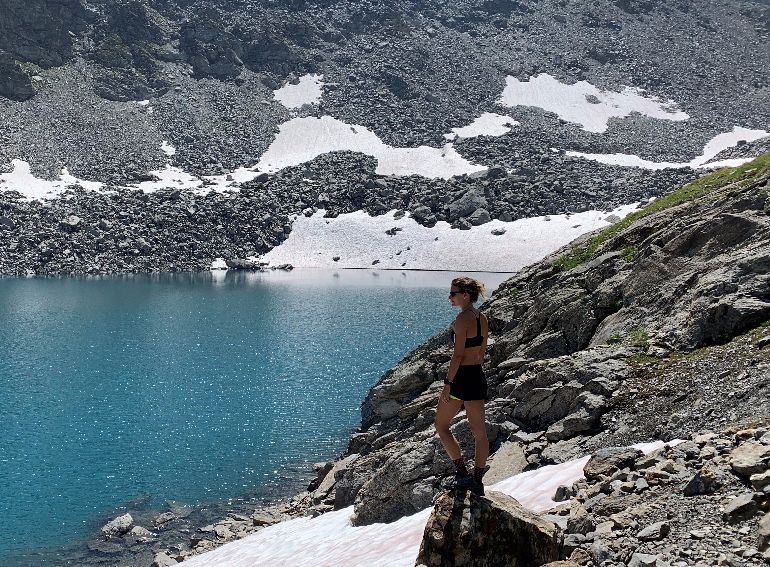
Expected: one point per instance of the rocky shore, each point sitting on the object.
(655, 328)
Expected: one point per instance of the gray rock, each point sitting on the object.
(707, 480)
(760, 481)
(164, 518)
(118, 526)
(654, 532)
(495, 530)
(643, 560)
(71, 223)
(763, 533)
(740, 508)
(466, 205)
(750, 458)
(162, 559)
(605, 462)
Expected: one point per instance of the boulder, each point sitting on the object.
(707, 480)
(467, 205)
(163, 560)
(507, 461)
(118, 526)
(740, 508)
(763, 533)
(71, 223)
(492, 531)
(607, 461)
(760, 481)
(654, 532)
(750, 458)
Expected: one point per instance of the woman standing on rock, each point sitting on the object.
(465, 383)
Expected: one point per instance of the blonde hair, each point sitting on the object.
(470, 286)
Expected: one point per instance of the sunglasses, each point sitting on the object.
(453, 293)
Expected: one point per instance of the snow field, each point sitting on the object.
(359, 239)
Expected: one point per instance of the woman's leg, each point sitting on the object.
(474, 411)
(444, 414)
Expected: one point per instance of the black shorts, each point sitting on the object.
(469, 383)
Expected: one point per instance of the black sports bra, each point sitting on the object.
(473, 341)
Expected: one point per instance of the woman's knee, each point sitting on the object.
(441, 426)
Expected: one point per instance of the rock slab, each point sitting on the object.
(492, 531)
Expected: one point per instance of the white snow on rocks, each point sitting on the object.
(488, 124)
(307, 91)
(21, 179)
(717, 144)
(358, 240)
(585, 104)
(329, 539)
(305, 138)
(170, 177)
(167, 148)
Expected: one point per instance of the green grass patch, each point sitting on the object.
(640, 358)
(691, 191)
(629, 253)
(615, 339)
(639, 338)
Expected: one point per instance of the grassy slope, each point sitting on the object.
(580, 253)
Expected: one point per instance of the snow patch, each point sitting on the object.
(21, 179)
(330, 539)
(167, 148)
(585, 104)
(302, 139)
(488, 124)
(307, 91)
(358, 240)
(717, 144)
(170, 177)
(218, 264)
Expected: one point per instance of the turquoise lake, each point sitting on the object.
(188, 387)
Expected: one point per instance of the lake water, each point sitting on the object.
(188, 387)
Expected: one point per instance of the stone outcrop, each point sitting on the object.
(491, 531)
(566, 341)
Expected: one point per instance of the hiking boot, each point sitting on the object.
(463, 481)
(477, 485)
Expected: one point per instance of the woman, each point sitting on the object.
(465, 383)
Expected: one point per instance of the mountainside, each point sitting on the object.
(657, 327)
(631, 313)
(458, 112)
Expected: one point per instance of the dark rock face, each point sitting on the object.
(39, 31)
(490, 532)
(15, 84)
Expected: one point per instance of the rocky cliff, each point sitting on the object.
(633, 333)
